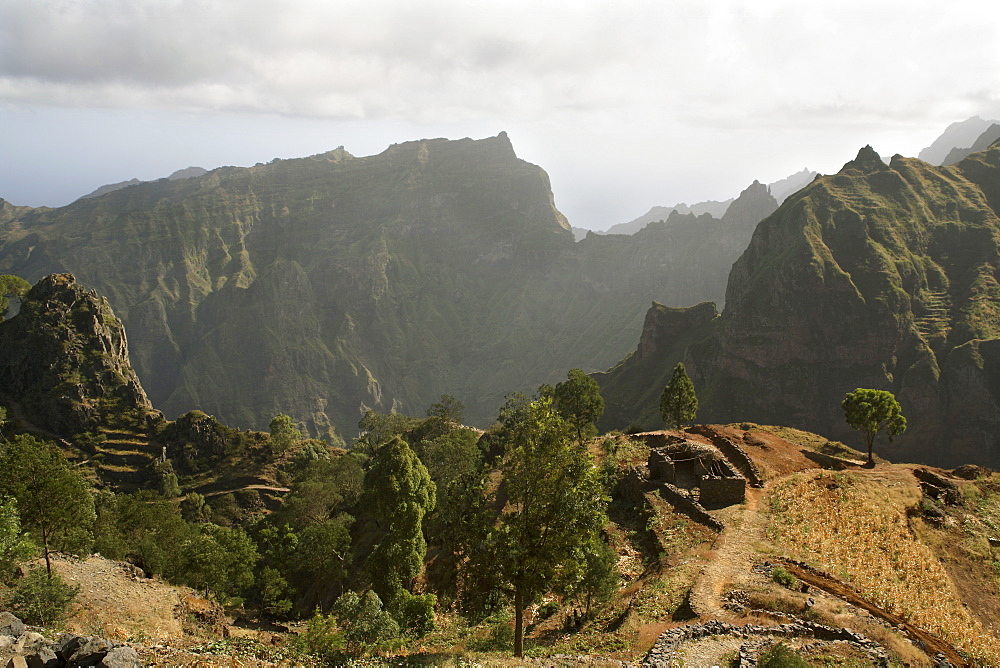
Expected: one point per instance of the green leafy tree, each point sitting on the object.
(283, 433)
(555, 509)
(365, 624)
(377, 429)
(15, 547)
(11, 286)
(678, 403)
(53, 500)
(579, 401)
(218, 560)
(322, 556)
(872, 411)
(40, 598)
(399, 492)
(451, 456)
(145, 527)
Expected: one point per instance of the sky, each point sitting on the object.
(626, 104)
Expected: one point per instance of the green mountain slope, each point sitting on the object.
(320, 285)
(880, 276)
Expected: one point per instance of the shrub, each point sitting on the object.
(39, 599)
(781, 656)
(783, 577)
(364, 623)
(321, 637)
(416, 613)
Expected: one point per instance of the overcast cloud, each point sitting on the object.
(626, 104)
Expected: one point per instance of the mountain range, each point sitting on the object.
(320, 286)
(881, 276)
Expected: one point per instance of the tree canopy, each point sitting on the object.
(579, 401)
(678, 403)
(399, 492)
(555, 508)
(873, 411)
(54, 501)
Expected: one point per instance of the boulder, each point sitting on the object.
(121, 657)
(89, 652)
(44, 657)
(10, 625)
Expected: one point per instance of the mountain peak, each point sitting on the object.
(868, 160)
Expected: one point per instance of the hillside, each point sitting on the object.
(880, 276)
(839, 562)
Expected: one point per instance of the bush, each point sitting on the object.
(322, 638)
(783, 577)
(416, 613)
(364, 623)
(781, 656)
(40, 600)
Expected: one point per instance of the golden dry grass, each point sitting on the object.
(851, 527)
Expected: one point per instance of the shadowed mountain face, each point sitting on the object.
(882, 276)
(320, 285)
(64, 360)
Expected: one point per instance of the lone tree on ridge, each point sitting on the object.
(678, 403)
(872, 411)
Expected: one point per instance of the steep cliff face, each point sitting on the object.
(316, 286)
(880, 276)
(64, 360)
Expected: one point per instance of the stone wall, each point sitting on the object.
(718, 491)
(683, 503)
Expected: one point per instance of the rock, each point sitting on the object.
(44, 657)
(29, 642)
(10, 625)
(121, 657)
(6, 641)
(89, 652)
(994, 542)
(17, 661)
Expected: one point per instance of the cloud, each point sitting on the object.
(697, 62)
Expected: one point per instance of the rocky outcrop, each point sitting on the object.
(21, 648)
(64, 359)
(881, 276)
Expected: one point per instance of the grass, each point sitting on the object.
(843, 524)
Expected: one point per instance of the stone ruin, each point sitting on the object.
(700, 468)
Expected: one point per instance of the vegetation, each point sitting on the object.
(11, 286)
(578, 400)
(54, 502)
(844, 525)
(554, 511)
(678, 403)
(871, 412)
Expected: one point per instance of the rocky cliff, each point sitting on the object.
(64, 360)
(316, 286)
(881, 276)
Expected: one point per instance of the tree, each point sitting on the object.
(579, 401)
(399, 492)
(14, 545)
(283, 433)
(678, 403)
(52, 499)
(11, 286)
(555, 507)
(872, 411)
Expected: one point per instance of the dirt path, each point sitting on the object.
(732, 560)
